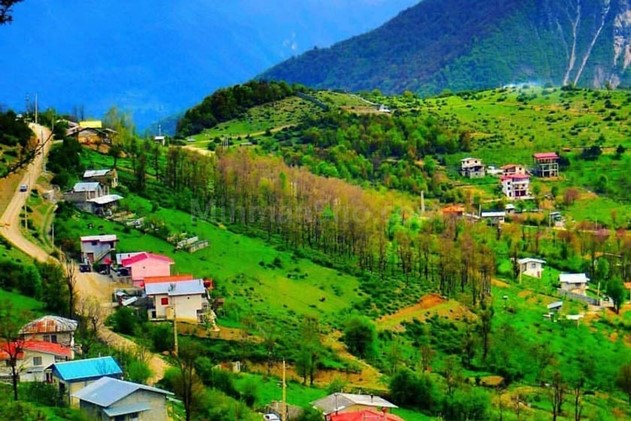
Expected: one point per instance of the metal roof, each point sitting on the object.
(493, 214)
(101, 238)
(194, 287)
(530, 260)
(87, 369)
(95, 173)
(556, 304)
(573, 278)
(49, 324)
(104, 200)
(89, 186)
(106, 391)
(143, 255)
(340, 401)
(126, 409)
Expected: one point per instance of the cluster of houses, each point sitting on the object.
(45, 352)
(514, 178)
(165, 296)
(92, 194)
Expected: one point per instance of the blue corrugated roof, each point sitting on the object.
(86, 369)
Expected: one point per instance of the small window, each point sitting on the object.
(46, 338)
(37, 361)
(164, 301)
(53, 338)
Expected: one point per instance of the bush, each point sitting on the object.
(138, 372)
(360, 336)
(124, 320)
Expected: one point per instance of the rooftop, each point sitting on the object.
(530, 260)
(193, 287)
(95, 173)
(49, 324)
(106, 391)
(82, 187)
(104, 200)
(139, 257)
(172, 278)
(546, 155)
(100, 238)
(86, 369)
(573, 278)
(366, 415)
(340, 401)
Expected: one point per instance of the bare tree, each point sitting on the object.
(187, 384)
(70, 276)
(5, 10)
(557, 391)
(90, 317)
(11, 342)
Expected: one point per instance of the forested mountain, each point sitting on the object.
(471, 44)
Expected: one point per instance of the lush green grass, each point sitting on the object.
(21, 302)
(254, 276)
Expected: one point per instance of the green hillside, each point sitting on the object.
(451, 44)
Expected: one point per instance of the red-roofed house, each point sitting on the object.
(546, 164)
(143, 265)
(34, 358)
(516, 186)
(366, 415)
(172, 278)
(512, 169)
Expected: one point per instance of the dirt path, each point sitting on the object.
(88, 284)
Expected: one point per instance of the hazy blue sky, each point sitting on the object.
(156, 57)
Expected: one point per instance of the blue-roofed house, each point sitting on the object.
(113, 399)
(71, 376)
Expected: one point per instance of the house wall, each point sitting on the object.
(533, 269)
(92, 411)
(186, 306)
(577, 288)
(149, 267)
(97, 250)
(157, 402)
(63, 338)
(357, 408)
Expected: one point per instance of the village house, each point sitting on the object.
(91, 132)
(546, 164)
(494, 217)
(472, 168)
(514, 169)
(107, 177)
(339, 403)
(92, 197)
(531, 267)
(183, 300)
(162, 279)
(365, 415)
(96, 247)
(113, 400)
(574, 282)
(72, 376)
(456, 211)
(143, 264)
(54, 329)
(33, 358)
(516, 187)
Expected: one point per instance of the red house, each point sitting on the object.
(143, 265)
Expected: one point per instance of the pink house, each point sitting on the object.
(145, 264)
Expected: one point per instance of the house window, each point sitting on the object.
(134, 416)
(164, 301)
(53, 338)
(37, 361)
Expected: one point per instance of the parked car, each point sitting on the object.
(23, 187)
(271, 417)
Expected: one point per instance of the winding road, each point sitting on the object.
(88, 284)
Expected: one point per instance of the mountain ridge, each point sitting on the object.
(481, 44)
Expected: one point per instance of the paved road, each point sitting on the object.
(88, 284)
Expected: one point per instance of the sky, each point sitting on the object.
(155, 58)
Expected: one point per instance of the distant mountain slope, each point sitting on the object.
(155, 58)
(472, 44)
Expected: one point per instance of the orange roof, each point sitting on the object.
(627, 285)
(366, 415)
(36, 346)
(172, 278)
(453, 209)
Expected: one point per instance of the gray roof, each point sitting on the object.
(194, 287)
(556, 304)
(91, 186)
(104, 200)
(131, 408)
(530, 260)
(106, 391)
(95, 173)
(340, 401)
(573, 278)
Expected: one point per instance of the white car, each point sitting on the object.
(271, 417)
(23, 187)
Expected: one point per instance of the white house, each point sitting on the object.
(108, 177)
(184, 299)
(95, 247)
(514, 169)
(472, 168)
(34, 357)
(92, 197)
(574, 282)
(516, 186)
(495, 217)
(531, 267)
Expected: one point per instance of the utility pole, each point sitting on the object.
(175, 344)
(35, 108)
(283, 409)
